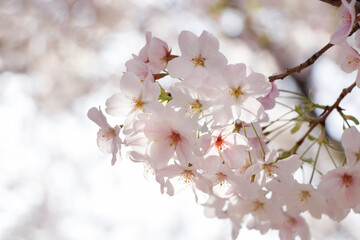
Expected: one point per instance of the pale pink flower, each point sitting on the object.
(152, 58)
(214, 207)
(346, 17)
(351, 143)
(135, 97)
(303, 197)
(240, 88)
(170, 132)
(342, 185)
(139, 68)
(231, 147)
(190, 102)
(223, 178)
(108, 138)
(334, 211)
(199, 57)
(268, 101)
(265, 212)
(294, 226)
(187, 175)
(349, 60)
(275, 174)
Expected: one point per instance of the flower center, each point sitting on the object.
(353, 61)
(236, 92)
(258, 205)
(137, 104)
(219, 142)
(346, 17)
(198, 60)
(347, 180)
(174, 139)
(109, 134)
(304, 195)
(193, 108)
(220, 178)
(186, 176)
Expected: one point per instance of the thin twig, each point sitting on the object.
(302, 66)
(308, 62)
(324, 116)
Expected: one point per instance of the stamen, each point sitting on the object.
(353, 61)
(109, 134)
(258, 205)
(186, 176)
(236, 92)
(219, 142)
(347, 180)
(198, 60)
(304, 195)
(346, 17)
(174, 139)
(137, 104)
(193, 108)
(220, 178)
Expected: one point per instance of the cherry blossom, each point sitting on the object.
(240, 88)
(349, 60)
(302, 197)
(294, 226)
(346, 16)
(351, 143)
(167, 137)
(199, 57)
(342, 185)
(108, 138)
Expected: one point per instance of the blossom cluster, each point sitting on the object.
(195, 121)
(349, 57)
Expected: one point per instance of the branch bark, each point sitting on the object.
(337, 3)
(310, 61)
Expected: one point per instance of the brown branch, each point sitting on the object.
(310, 61)
(337, 3)
(302, 66)
(323, 116)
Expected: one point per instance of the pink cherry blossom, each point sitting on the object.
(351, 143)
(199, 57)
(303, 197)
(240, 88)
(294, 226)
(187, 175)
(269, 100)
(168, 137)
(346, 16)
(108, 138)
(134, 96)
(342, 185)
(275, 173)
(349, 60)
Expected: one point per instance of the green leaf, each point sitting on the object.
(351, 118)
(296, 127)
(298, 110)
(311, 138)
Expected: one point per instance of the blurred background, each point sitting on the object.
(58, 58)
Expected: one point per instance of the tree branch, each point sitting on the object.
(323, 116)
(302, 66)
(337, 3)
(308, 62)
